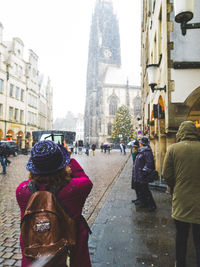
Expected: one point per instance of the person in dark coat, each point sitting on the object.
(181, 174)
(144, 165)
(3, 154)
(102, 146)
(134, 152)
(7, 154)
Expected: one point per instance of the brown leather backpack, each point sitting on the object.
(48, 231)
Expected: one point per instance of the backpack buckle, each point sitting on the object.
(43, 227)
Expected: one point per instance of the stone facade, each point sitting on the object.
(24, 107)
(103, 94)
(162, 42)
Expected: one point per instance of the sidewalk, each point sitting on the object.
(124, 237)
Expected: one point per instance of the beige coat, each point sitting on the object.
(181, 171)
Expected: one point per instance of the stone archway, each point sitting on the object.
(162, 114)
(193, 102)
(159, 138)
(20, 135)
(28, 140)
(1, 134)
(10, 135)
(194, 114)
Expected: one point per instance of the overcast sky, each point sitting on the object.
(58, 32)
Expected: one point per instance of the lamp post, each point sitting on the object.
(184, 10)
(152, 71)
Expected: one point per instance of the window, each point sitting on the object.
(20, 71)
(16, 114)
(11, 90)
(32, 101)
(10, 113)
(1, 86)
(22, 95)
(113, 106)
(15, 69)
(1, 110)
(21, 115)
(17, 93)
(32, 118)
(109, 128)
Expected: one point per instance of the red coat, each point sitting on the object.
(73, 196)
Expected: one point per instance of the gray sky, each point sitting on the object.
(58, 32)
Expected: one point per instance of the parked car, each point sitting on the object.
(13, 148)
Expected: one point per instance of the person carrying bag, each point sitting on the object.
(51, 202)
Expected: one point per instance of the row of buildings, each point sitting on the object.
(170, 69)
(25, 94)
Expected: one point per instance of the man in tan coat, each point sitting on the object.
(181, 171)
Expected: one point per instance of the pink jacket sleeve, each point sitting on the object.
(77, 170)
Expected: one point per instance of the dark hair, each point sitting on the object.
(53, 180)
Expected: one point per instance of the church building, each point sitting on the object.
(107, 86)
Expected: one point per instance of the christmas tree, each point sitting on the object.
(122, 127)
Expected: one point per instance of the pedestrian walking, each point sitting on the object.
(52, 169)
(121, 148)
(109, 148)
(7, 154)
(105, 147)
(3, 153)
(144, 165)
(181, 174)
(124, 148)
(134, 149)
(93, 149)
(87, 147)
(102, 147)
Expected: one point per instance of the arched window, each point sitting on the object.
(113, 106)
(109, 128)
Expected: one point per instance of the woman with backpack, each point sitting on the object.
(52, 169)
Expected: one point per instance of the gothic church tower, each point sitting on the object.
(104, 51)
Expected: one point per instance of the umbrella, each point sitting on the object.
(130, 143)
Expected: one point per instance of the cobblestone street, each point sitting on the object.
(102, 170)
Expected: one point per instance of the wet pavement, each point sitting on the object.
(101, 168)
(126, 237)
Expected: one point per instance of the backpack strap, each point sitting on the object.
(32, 187)
(86, 224)
(55, 192)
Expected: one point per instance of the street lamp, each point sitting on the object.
(184, 10)
(152, 71)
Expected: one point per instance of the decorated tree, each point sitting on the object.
(122, 127)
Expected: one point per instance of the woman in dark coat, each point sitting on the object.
(144, 165)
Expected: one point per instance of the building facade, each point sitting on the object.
(177, 60)
(21, 95)
(104, 95)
